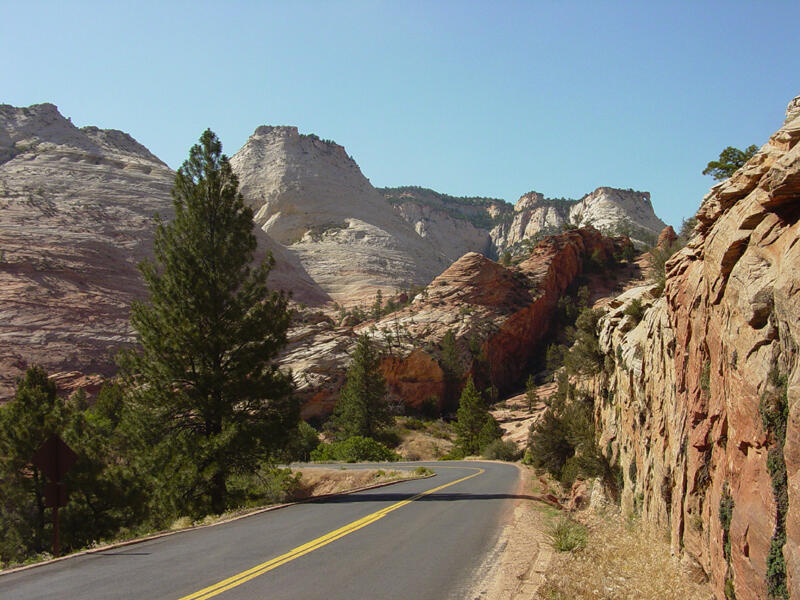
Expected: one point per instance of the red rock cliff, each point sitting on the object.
(682, 408)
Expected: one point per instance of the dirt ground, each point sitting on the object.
(621, 560)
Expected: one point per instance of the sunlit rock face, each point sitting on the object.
(679, 402)
(76, 218)
(312, 198)
(610, 210)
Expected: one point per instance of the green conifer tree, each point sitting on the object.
(362, 409)
(204, 381)
(26, 422)
(475, 427)
(531, 395)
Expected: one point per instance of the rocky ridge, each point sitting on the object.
(497, 314)
(690, 404)
(610, 210)
(455, 225)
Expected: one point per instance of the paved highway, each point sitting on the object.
(421, 539)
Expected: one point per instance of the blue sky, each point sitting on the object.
(469, 98)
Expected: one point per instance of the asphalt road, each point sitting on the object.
(421, 539)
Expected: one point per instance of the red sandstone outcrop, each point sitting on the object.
(680, 408)
(497, 314)
(666, 238)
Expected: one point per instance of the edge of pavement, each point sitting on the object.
(166, 533)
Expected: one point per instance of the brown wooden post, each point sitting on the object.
(56, 548)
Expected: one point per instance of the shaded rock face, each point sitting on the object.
(498, 316)
(681, 408)
(666, 238)
(610, 210)
(312, 198)
(76, 217)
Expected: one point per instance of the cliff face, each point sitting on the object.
(76, 217)
(312, 198)
(691, 401)
(609, 210)
(534, 215)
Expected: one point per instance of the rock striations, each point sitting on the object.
(311, 197)
(76, 208)
(76, 217)
(700, 401)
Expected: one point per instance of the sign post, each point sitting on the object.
(54, 458)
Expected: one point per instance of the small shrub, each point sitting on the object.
(567, 535)
(455, 454)
(726, 506)
(730, 592)
(414, 424)
(354, 449)
(635, 310)
(422, 472)
(301, 445)
(696, 521)
(181, 523)
(500, 450)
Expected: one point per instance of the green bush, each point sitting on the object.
(500, 450)
(455, 454)
(635, 310)
(567, 535)
(267, 485)
(414, 424)
(302, 443)
(354, 449)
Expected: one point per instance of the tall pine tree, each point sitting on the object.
(362, 409)
(35, 414)
(204, 381)
(475, 427)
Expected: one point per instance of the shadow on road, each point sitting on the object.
(435, 497)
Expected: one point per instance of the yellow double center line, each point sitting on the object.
(244, 576)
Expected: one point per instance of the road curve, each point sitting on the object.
(421, 539)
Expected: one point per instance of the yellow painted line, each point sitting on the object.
(252, 573)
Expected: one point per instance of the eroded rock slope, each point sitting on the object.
(497, 314)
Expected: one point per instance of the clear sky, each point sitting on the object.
(468, 98)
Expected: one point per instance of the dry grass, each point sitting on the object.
(318, 482)
(431, 441)
(620, 561)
